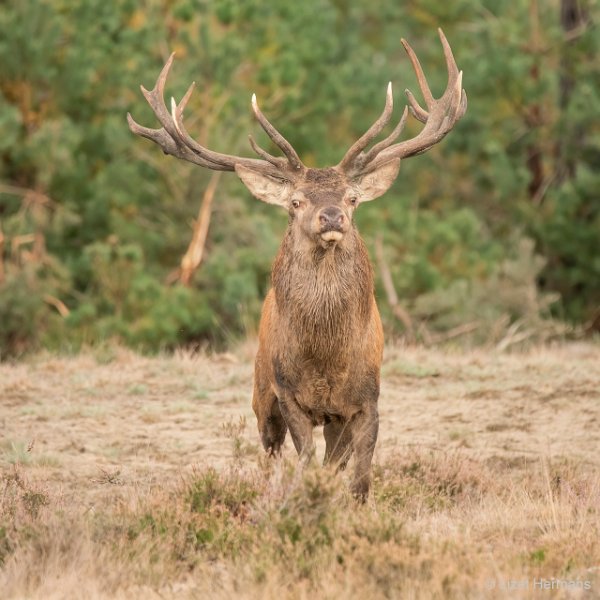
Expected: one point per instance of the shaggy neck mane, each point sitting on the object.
(325, 295)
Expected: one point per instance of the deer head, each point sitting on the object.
(320, 202)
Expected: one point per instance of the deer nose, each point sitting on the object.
(331, 217)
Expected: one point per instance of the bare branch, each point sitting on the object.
(60, 306)
(195, 252)
(392, 297)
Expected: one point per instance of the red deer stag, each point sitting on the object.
(320, 338)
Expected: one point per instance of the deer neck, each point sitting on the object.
(324, 295)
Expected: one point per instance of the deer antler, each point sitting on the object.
(439, 119)
(174, 139)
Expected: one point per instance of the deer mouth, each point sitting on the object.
(333, 235)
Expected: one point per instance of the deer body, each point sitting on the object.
(320, 350)
(320, 335)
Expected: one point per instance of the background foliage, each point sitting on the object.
(493, 234)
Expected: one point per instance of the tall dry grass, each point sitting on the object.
(438, 525)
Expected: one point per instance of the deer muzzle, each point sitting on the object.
(333, 224)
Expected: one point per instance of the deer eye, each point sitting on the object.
(296, 203)
(352, 200)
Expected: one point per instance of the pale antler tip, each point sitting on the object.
(165, 71)
(406, 46)
(167, 66)
(134, 127)
(255, 108)
(175, 116)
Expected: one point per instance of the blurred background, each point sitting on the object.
(490, 238)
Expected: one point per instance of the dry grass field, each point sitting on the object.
(131, 477)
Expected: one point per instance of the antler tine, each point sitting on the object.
(161, 80)
(274, 160)
(456, 94)
(389, 140)
(427, 95)
(372, 132)
(155, 98)
(450, 62)
(283, 144)
(415, 108)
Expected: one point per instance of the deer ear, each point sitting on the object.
(377, 182)
(264, 187)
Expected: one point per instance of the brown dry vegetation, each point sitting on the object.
(131, 477)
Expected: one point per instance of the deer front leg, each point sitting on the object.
(338, 443)
(300, 426)
(364, 427)
(271, 425)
